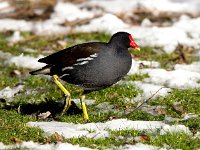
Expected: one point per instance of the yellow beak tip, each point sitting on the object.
(137, 49)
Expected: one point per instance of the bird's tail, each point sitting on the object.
(43, 70)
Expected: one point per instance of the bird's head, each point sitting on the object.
(124, 39)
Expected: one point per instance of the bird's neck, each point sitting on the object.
(117, 45)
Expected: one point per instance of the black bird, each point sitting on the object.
(91, 66)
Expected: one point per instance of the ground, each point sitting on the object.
(155, 106)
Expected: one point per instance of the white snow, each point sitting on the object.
(5, 55)
(40, 28)
(16, 37)
(95, 130)
(48, 28)
(25, 61)
(15, 25)
(63, 146)
(5, 7)
(63, 12)
(183, 77)
(194, 67)
(106, 23)
(98, 130)
(148, 90)
(101, 130)
(106, 107)
(35, 146)
(185, 116)
(115, 6)
(155, 6)
(189, 115)
(135, 68)
(87, 101)
(69, 12)
(164, 37)
(185, 31)
(69, 130)
(179, 79)
(8, 92)
(138, 146)
(152, 64)
(172, 6)
(175, 129)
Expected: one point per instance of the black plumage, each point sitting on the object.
(94, 65)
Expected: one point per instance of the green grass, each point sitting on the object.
(40, 89)
(188, 98)
(137, 77)
(6, 78)
(176, 140)
(13, 125)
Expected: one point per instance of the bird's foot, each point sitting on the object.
(67, 104)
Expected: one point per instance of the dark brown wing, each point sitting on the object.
(68, 56)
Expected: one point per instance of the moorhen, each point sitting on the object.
(91, 66)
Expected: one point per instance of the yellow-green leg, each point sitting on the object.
(85, 114)
(67, 94)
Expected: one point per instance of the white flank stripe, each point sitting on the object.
(64, 75)
(82, 63)
(94, 55)
(67, 68)
(82, 59)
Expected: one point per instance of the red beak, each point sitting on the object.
(133, 44)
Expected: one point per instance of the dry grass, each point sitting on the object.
(30, 9)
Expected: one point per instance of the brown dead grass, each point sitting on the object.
(158, 18)
(30, 9)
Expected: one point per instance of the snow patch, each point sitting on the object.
(175, 129)
(179, 79)
(87, 101)
(40, 28)
(100, 130)
(164, 37)
(155, 6)
(135, 67)
(15, 25)
(69, 12)
(149, 90)
(16, 37)
(25, 61)
(70, 130)
(5, 7)
(48, 28)
(194, 67)
(35, 146)
(106, 23)
(138, 146)
(10, 92)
